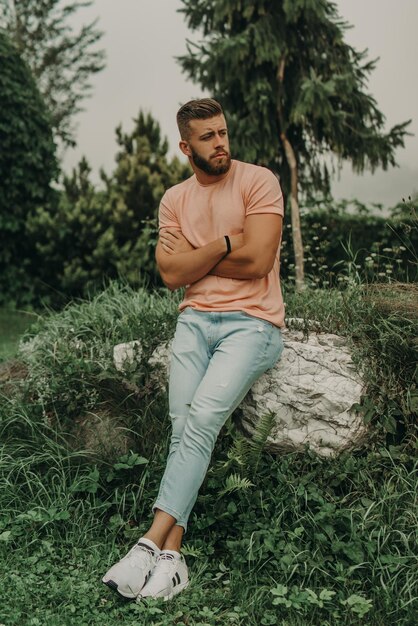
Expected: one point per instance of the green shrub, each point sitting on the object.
(70, 356)
(93, 236)
(27, 166)
(339, 242)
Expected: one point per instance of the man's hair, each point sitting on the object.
(202, 109)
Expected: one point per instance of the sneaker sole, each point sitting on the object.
(176, 590)
(114, 587)
(171, 595)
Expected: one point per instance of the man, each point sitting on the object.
(220, 233)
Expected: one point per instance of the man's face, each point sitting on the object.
(208, 145)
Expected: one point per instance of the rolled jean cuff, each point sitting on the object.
(172, 512)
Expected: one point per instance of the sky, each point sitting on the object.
(143, 37)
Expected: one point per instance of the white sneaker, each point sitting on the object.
(130, 574)
(169, 577)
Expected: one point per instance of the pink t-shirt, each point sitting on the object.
(204, 213)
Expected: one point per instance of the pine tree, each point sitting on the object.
(61, 60)
(143, 172)
(293, 89)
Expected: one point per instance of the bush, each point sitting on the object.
(70, 356)
(71, 361)
(92, 235)
(374, 248)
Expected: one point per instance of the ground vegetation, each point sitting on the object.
(291, 540)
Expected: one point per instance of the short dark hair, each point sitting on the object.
(202, 109)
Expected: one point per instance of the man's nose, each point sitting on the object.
(219, 140)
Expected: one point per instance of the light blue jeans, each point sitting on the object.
(216, 357)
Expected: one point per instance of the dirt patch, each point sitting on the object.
(11, 375)
(394, 298)
(103, 434)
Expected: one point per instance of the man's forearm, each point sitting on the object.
(241, 264)
(184, 268)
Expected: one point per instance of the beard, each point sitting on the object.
(211, 167)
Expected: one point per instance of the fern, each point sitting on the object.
(235, 482)
(244, 456)
(247, 451)
(257, 443)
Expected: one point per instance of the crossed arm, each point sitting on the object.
(252, 256)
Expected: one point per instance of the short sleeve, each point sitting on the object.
(264, 194)
(167, 217)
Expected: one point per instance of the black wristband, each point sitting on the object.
(228, 245)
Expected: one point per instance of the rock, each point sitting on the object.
(126, 353)
(311, 391)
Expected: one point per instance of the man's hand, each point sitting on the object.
(173, 241)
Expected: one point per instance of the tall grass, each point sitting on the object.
(12, 325)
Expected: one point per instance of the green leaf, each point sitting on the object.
(326, 595)
(129, 461)
(280, 590)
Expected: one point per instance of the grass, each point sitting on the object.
(12, 326)
(315, 542)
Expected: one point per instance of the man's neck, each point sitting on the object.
(208, 179)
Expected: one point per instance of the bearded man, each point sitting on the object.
(220, 233)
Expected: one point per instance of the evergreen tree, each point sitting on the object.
(61, 61)
(143, 171)
(27, 165)
(293, 89)
(92, 235)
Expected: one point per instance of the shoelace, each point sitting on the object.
(166, 562)
(139, 553)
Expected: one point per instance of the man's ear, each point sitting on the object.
(185, 148)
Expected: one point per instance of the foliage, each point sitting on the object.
(341, 241)
(312, 543)
(71, 364)
(290, 540)
(283, 70)
(77, 344)
(62, 62)
(92, 235)
(70, 358)
(27, 165)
